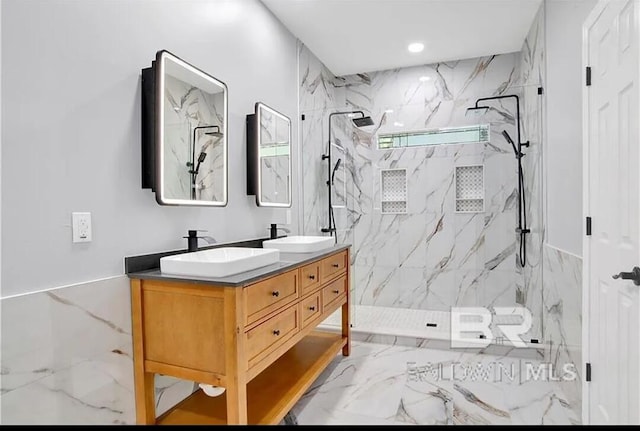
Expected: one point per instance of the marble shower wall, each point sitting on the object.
(431, 257)
(67, 358)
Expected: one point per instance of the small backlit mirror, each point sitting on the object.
(184, 133)
(269, 157)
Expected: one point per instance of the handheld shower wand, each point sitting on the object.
(335, 168)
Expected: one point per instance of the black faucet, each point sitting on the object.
(192, 239)
(274, 230)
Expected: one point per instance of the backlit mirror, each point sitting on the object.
(184, 133)
(269, 157)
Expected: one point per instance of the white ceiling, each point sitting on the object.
(352, 36)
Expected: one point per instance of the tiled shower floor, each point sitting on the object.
(402, 322)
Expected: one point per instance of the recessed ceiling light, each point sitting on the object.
(425, 78)
(415, 47)
(397, 124)
(389, 111)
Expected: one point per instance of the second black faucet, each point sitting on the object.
(274, 230)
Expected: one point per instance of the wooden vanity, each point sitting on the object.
(258, 340)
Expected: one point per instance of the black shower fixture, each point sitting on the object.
(522, 229)
(361, 121)
(193, 168)
(335, 168)
(509, 140)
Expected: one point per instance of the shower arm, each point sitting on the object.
(327, 157)
(520, 143)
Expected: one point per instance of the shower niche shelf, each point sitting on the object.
(393, 191)
(469, 182)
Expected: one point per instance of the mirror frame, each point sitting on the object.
(254, 167)
(153, 174)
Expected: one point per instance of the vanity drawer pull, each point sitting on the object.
(312, 277)
(312, 308)
(275, 293)
(335, 265)
(276, 332)
(336, 291)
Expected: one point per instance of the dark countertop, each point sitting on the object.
(288, 261)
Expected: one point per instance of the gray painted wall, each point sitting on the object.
(563, 153)
(71, 141)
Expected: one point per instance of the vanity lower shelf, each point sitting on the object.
(272, 393)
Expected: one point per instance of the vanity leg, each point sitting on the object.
(346, 315)
(237, 404)
(346, 329)
(235, 357)
(143, 381)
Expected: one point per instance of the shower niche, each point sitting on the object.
(184, 133)
(469, 181)
(393, 191)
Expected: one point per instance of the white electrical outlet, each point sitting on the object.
(288, 216)
(81, 227)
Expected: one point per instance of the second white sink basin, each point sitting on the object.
(218, 262)
(300, 244)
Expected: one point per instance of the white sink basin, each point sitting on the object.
(218, 262)
(300, 244)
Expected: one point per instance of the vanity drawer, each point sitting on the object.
(309, 277)
(334, 291)
(266, 337)
(310, 308)
(333, 265)
(266, 296)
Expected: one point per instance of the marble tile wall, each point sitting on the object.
(431, 257)
(562, 312)
(67, 357)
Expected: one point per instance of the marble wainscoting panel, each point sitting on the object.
(562, 293)
(66, 355)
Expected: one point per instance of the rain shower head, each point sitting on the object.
(476, 111)
(363, 121)
(217, 133)
(509, 140)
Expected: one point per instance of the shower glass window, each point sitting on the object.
(449, 135)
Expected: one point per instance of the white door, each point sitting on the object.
(612, 161)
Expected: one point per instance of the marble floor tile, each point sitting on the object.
(384, 384)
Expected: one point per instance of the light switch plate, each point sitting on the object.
(81, 227)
